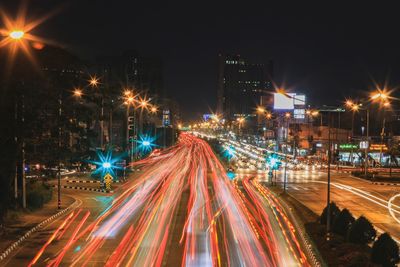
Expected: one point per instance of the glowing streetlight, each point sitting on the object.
(143, 103)
(16, 34)
(153, 109)
(355, 107)
(260, 109)
(130, 100)
(106, 165)
(127, 93)
(379, 95)
(78, 93)
(349, 103)
(315, 113)
(94, 81)
(287, 115)
(268, 116)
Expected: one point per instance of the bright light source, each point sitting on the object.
(349, 103)
(260, 109)
(146, 143)
(78, 92)
(106, 165)
(17, 34)
(94, 81)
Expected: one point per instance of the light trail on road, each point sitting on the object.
(221, 227)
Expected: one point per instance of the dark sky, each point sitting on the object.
(326, 51)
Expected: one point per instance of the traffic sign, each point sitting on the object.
(108, 179)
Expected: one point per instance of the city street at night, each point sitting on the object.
(136, 224)
(199, 134)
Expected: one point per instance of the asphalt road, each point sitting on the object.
(359, 196)
(181, 209)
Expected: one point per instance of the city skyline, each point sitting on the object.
(349, 54)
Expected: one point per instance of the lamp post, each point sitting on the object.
(287, 116)
(329, 111)
(379, 95)
(15, 36)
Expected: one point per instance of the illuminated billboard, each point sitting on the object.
(282, 101)
(299, 100)
(288, 101)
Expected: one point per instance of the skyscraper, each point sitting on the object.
(241, 85)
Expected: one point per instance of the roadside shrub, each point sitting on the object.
(334, 212)
(342, 222)
(361, 231)
(385, 251)
(38, 194)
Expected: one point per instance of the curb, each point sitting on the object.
(85, 188)
(90, 181)
(34, 229)
(387, 184)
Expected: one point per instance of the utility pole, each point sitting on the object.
(59, 154)
(366, 147)
(328, 197)
(23, 152)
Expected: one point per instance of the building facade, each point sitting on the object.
(241, 85)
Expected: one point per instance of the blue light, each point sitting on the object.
(273, 162)
(106, 165)
(146, 143)
(229, 152)
(231, 175)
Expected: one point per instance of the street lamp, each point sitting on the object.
(94, 81)
(16, 34)
(78, 93)
(153, 109)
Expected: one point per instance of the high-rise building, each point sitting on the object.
(145, 74)
(241, 85)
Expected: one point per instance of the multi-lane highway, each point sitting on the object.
(359, 196)
(181, 209)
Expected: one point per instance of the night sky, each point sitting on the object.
(326, 51)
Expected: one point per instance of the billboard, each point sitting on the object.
(284, 102)
(299, 100)
(288, 101)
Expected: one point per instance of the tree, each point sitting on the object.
(334, 212)
(393, 152)
(361, 231)
(385, 251)
(342, 222)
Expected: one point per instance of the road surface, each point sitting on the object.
(181, 209)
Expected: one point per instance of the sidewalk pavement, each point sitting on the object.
(19, 222)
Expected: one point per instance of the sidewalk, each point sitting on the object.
(19, 222)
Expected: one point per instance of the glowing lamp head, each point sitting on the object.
(146, 143)
(349, 103)
(153, 109)
(78, 92)
(143, 103)
(17, 34)
(260, 109)
(106, 165)
(94, 81)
